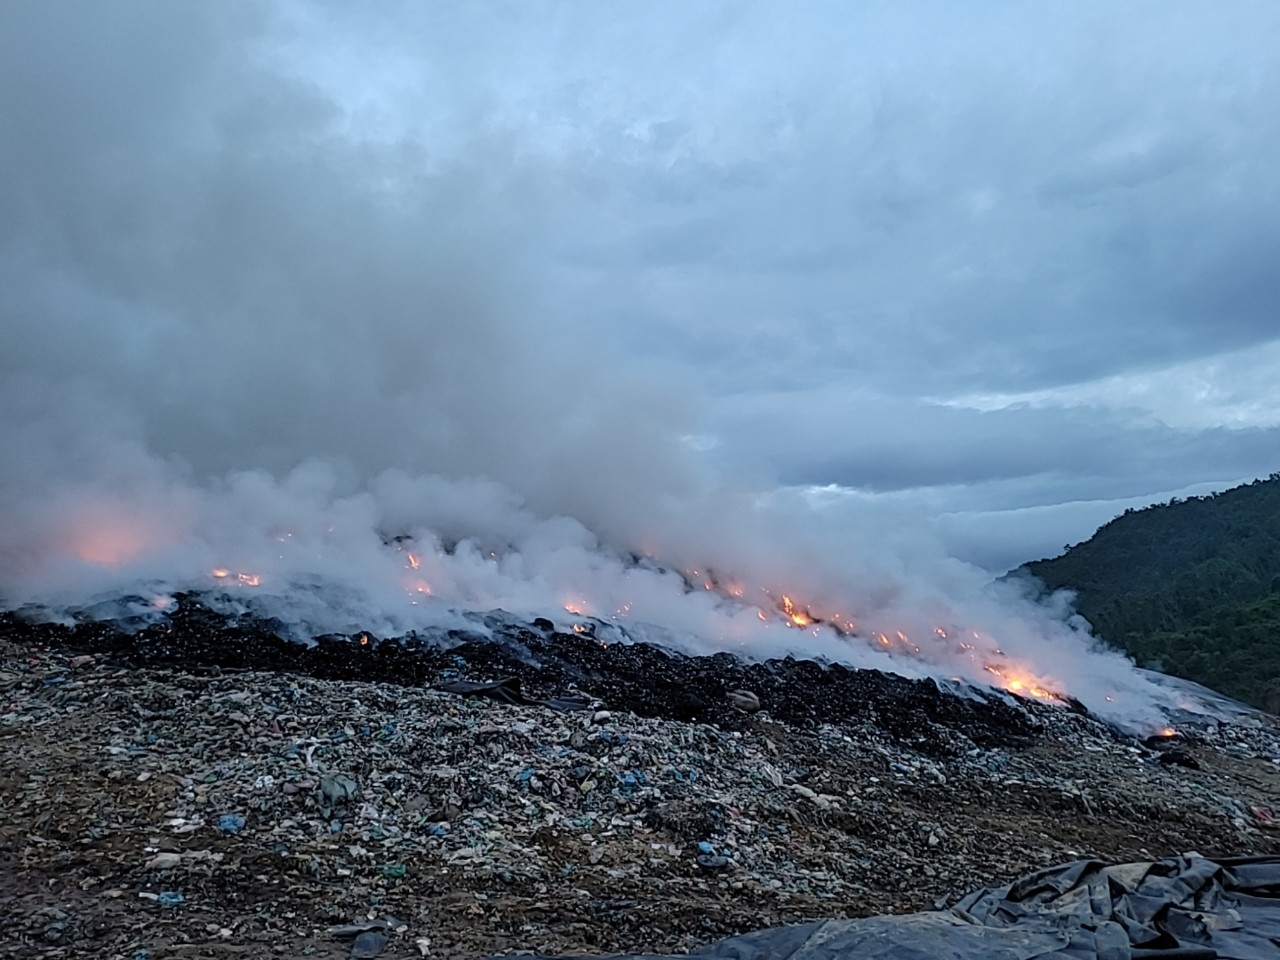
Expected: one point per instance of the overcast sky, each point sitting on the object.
(1012, 266)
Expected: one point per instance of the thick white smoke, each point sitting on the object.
(247, 348)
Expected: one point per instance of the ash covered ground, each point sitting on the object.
(200, 787)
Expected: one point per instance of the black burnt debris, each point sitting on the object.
(552, 666)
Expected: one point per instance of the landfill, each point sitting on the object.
(159, 804)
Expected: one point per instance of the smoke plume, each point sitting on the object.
(254, 347)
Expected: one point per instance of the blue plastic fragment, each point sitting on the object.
(231, 822)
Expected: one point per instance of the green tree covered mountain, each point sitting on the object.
(1191, 587)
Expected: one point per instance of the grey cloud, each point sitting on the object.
(1012, 457)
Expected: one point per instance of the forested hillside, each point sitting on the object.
(1190, 586)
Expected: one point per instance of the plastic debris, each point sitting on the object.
(368, 944)
(337, 789)
(744, 700)
(348, 930)
(522, 827)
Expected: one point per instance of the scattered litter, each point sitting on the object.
(489, 825)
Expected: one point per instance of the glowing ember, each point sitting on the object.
(1168, 732)
(364, 639)
(577, 607)
(579, 628)
(1023, 684)
(415, 561)
(798, 618)
(245, 579)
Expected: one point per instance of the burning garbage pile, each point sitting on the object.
(512, 661)
(681, 653)
(530, 769)
(434, 558)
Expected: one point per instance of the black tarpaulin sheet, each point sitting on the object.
(1179, 908)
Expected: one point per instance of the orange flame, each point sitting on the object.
(244, 579)
(415, 561)
(1021, 683)
(798, 618)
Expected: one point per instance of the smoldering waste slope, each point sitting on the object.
(191, 811)
(648, 680)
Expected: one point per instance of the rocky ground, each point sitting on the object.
(203, 812)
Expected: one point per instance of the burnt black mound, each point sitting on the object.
(537, 663)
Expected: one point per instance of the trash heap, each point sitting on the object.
(202, 809)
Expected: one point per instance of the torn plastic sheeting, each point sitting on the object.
(1178, 908)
